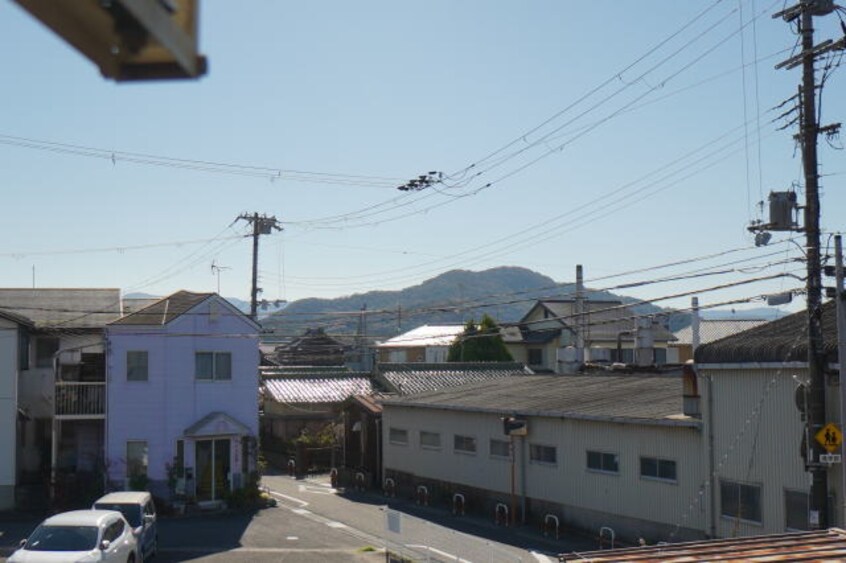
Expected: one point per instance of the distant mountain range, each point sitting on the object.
(505, 293)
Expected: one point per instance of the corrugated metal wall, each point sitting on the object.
(568, 481)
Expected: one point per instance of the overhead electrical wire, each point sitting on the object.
(270, 173)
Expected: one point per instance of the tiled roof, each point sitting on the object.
(326, 389)
(823, 545)
(276, 372)
(60, 308)
(617, 398)
(165, 309)
(436, 335)
(781, 340)
(715, 329)
(411, 378)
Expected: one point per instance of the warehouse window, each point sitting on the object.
(603, 461)
(398, 436)
(430, 440)
(657, 468)
(796, 510)
(464, 444)
(539, 453)
(740, 501)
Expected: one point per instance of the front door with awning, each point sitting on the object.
(217, 443)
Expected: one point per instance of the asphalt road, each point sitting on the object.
(315, 523)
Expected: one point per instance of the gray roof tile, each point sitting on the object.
(411, 378)
(318, 389)
(60, 308)
(618, 398)
(782, 340)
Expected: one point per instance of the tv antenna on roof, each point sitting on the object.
(216, 269)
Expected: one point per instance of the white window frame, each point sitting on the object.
(463, 438)
(533, 446)
(146, 364)
(393, 436)
(436, 435)
(658, 461)
(602, 469)
(215, 355)
(145, 461)
(740, 485)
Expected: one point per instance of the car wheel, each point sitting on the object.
(131, 558)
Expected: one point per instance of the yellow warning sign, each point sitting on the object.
(830, 437)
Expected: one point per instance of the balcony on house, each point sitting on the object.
(81, 387)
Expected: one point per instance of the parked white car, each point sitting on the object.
(140, 511)
(79, 536)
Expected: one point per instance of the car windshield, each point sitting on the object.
(132, 512)
(62, 538)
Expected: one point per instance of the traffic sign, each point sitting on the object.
(830, 437)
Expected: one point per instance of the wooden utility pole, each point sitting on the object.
(262, 225)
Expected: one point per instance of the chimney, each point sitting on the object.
(580, 315)
(644, 353)
(694, 324)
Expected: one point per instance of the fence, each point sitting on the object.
(411, 539)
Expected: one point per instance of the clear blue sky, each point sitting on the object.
(396, 89)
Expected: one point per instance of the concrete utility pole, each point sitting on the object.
(840, 302)
(809, 131)
(262, 225)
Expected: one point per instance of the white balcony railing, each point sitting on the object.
(76, 398)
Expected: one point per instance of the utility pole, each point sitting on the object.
(840, 311)
(809, 131)
(262, 225)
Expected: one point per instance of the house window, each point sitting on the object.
(136, 458)
(656, 468)
(542, 454)
(213, 366)
(660, 356)
(603, 461)
(398, 436)
(796, 510)
(430, 440)
(136, 365)
(464, 444)
(500, 448)
(535, 356)
(45, 348)
(740, 501)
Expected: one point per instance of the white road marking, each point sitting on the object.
(301, 511)
(334, 524)
(292, 499)
(439, 552)
(292, 538)
(316, 490)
